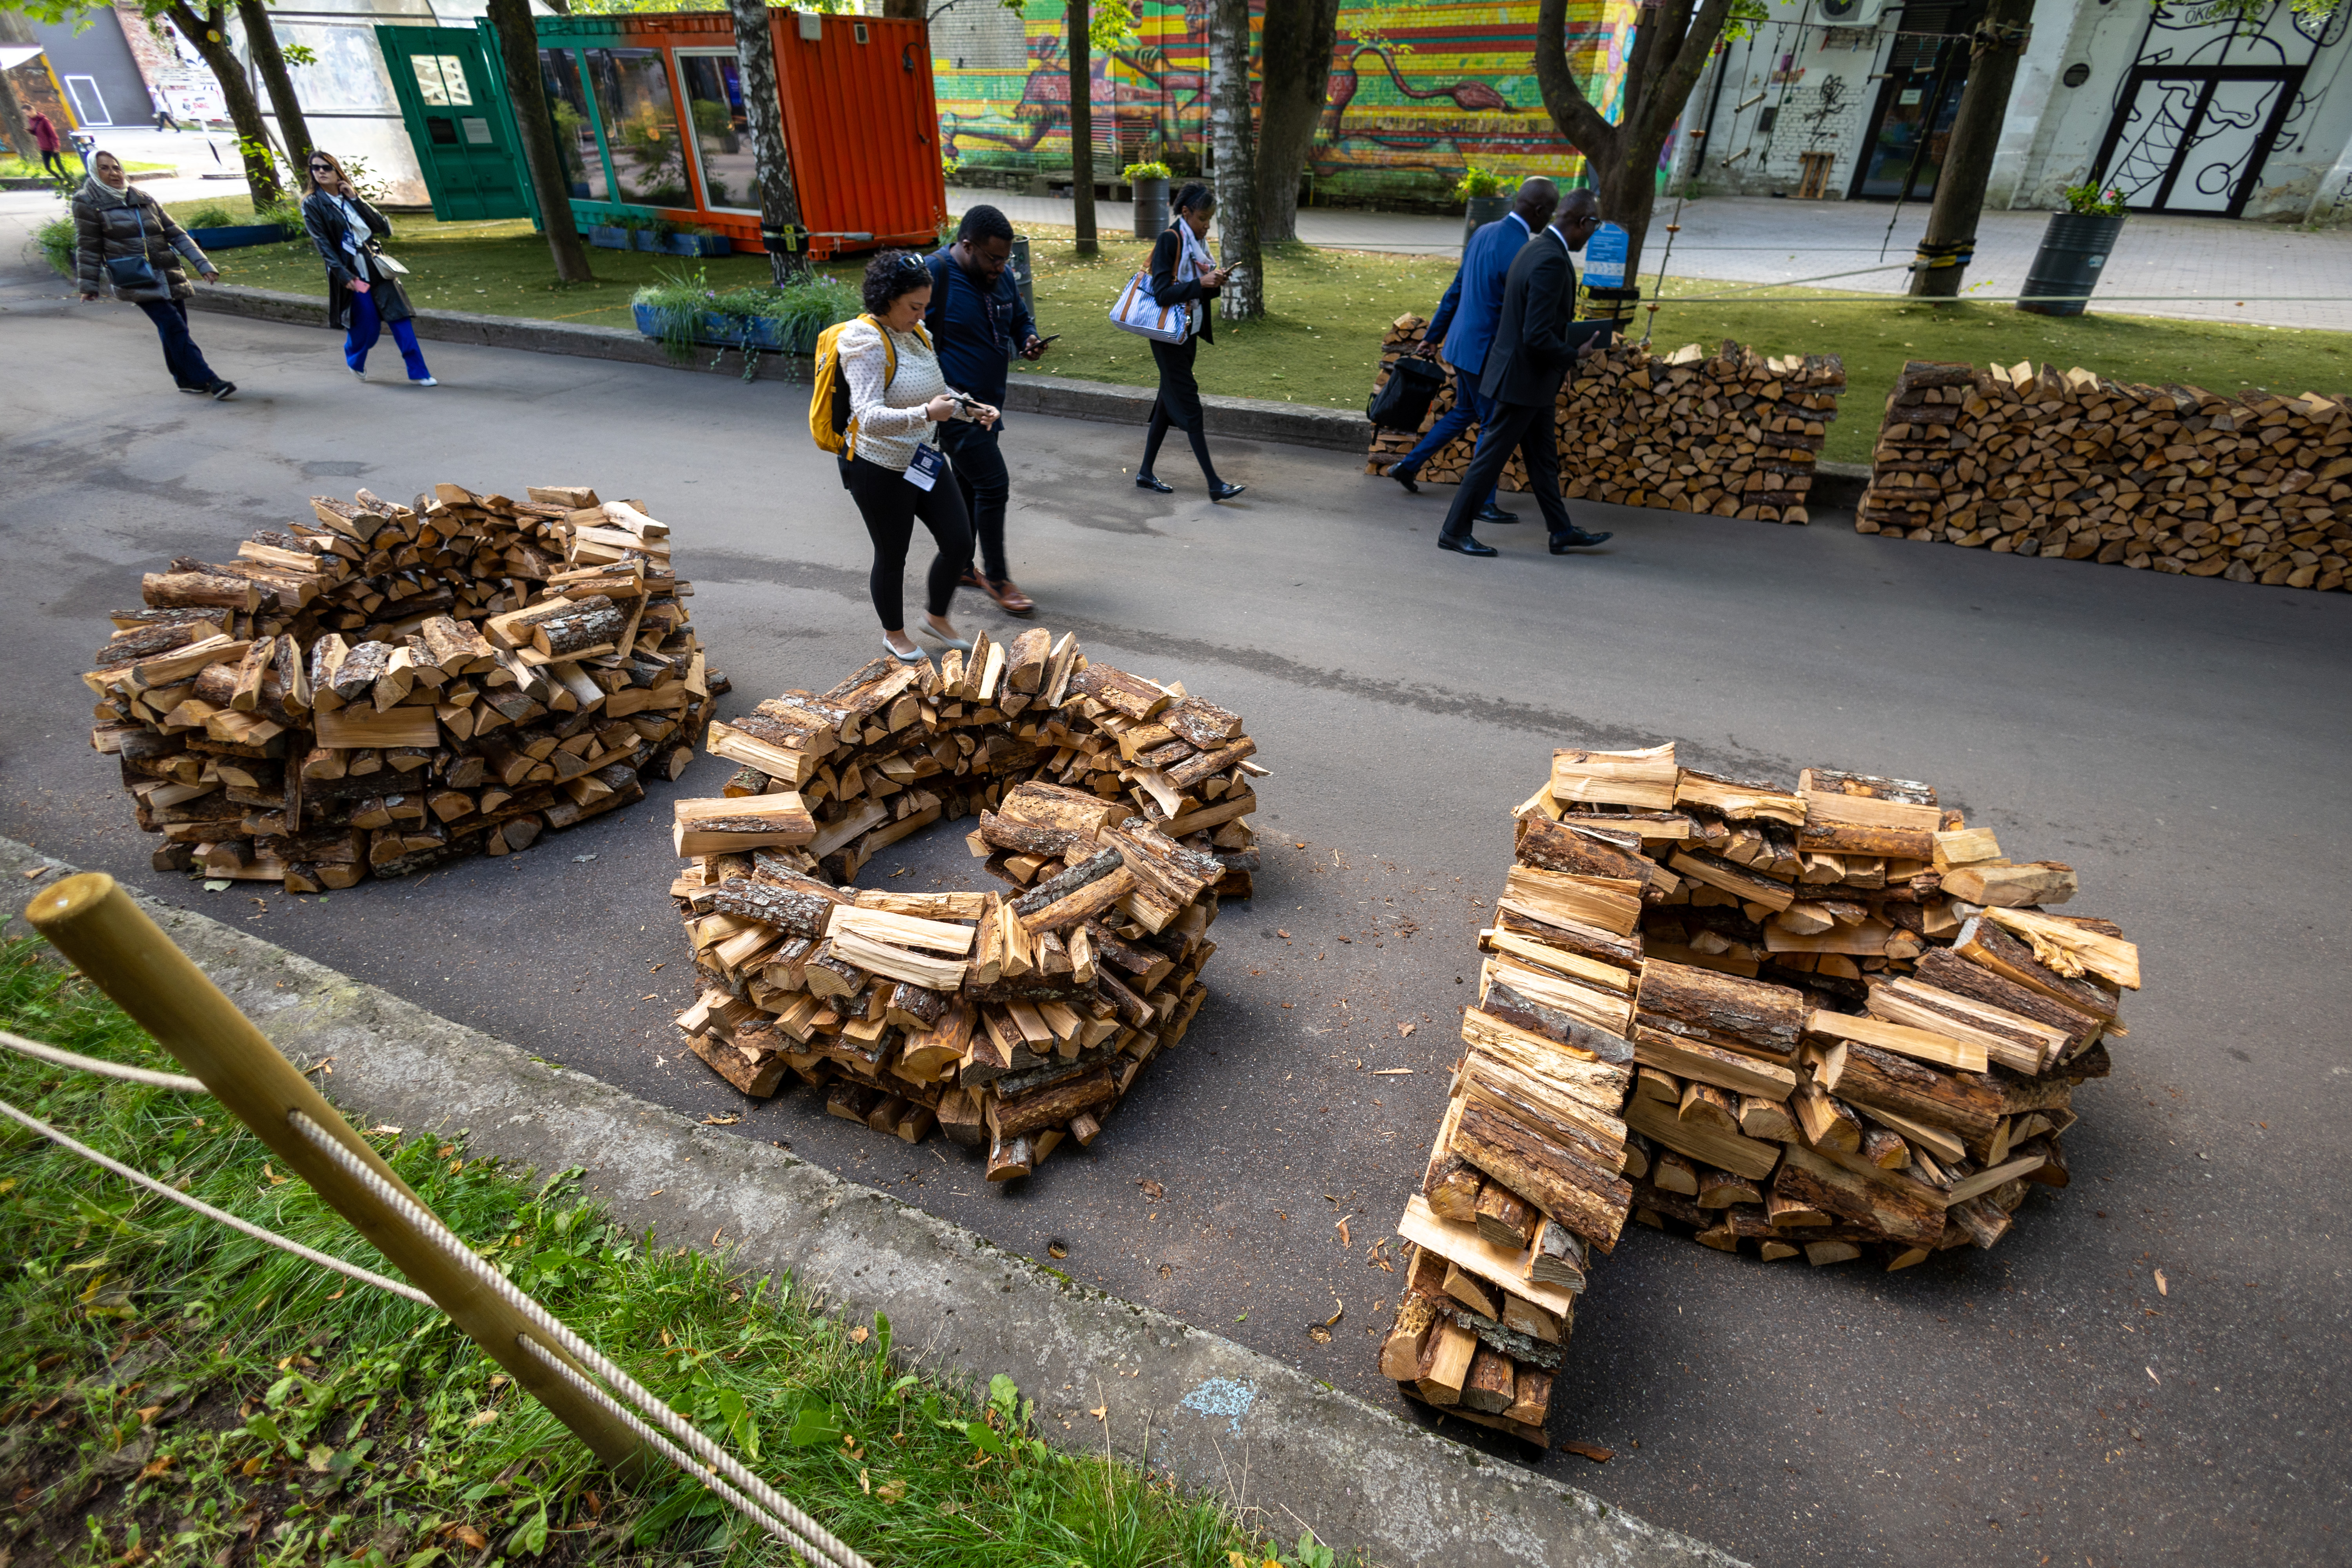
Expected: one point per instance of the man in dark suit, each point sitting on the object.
(1535, 342)
(1464, 324)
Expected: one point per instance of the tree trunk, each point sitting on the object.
(518, 51)
(1243, 299)
(763, 110)
(1669, 52)
(209, 35)
(1295, 66)
(261, 38)
(1082, 127)
(1976, 138)
(12, 124)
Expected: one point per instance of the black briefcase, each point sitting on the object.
(1402, 401)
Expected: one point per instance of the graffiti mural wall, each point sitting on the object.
(1417, 92)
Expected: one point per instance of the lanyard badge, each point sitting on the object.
(923, 471)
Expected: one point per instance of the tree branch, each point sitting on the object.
(1563, 97)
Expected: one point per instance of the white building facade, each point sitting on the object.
(2186, 110)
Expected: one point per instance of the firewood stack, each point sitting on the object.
(1829, 1022)
(1735, 434)
(2256, 489)
(389, 687)
(1116, 809)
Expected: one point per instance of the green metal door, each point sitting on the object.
(457, 120)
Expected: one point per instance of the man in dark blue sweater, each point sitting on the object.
(977, 323)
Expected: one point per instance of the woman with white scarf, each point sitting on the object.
(1183, 274)
(125, 241)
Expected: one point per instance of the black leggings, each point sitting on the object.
(890, 506)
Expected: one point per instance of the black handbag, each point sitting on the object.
(134, 271)
(1402, 401)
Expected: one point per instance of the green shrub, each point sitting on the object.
(1476, 182)
(56, 240)
(1135, 172)
(2093, 202)
(210, 216)
(681, 299)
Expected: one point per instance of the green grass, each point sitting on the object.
(1320, 340)
(173, 1393)
(15, 168)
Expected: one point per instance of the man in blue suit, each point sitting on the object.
(1464, 324)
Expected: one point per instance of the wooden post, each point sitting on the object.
(1082, 129)
(91, 920)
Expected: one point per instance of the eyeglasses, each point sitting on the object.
(329, 167)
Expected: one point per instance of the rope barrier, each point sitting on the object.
(51, 1053)
(428, 1225)
(308, 1255)
(1994, 300)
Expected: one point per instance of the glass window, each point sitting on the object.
(723, 136)
(347, 73)
(441, 81)
(575, 129)
(640, 118)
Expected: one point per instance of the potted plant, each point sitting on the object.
(693, 239)
(1150, 184)
(612, 234)
(647, 233)
(1483, 193)
(683, 311)
(2074, 247)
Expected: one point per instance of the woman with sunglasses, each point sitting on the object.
(363, 292)
(893, 467)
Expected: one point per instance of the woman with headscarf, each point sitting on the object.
(124, 240)
(1183, 274)
(363, 291)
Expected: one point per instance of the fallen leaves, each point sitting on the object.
(1056, 1250)
(857, 1336)
(1342, 1228)
(891, 1491)
(483, 1418)
(1151, 1189)
(2161, 1288)
(1405, 1031)
(720, 1120)
(1592, 1451)
(1283, 934)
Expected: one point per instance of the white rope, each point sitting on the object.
(429, 1225)
(309, 1254)
(670, 1450)
(180, 1081)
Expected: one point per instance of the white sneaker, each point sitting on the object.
(425, 381)
(361, 374)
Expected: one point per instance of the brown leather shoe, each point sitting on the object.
(1009, 598)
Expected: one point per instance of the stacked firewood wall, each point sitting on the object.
(1735, 434)
(1116, 808)
(387, 686)
(1831, 1021)
(2256, 489)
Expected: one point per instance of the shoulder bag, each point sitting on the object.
(134, 271)
(1137, 311)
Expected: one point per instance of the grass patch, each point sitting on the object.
(1320, 340)
(15, 168)
(173, 1393)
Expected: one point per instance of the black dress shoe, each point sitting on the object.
(1403, 475)
(1146, 482)
(1466, 545)
(1223, 491)
(1490, 513)
(1563, 541)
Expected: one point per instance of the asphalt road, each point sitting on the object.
(2184, 743)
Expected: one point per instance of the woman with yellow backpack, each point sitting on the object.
(879, 399)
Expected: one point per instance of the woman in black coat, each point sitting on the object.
(363, 294)
(1183, 274)
(114, 220)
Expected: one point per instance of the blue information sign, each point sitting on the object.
(1604, 257)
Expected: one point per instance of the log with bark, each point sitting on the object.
(454, 676)
(1754, 1016)
(1114, 808)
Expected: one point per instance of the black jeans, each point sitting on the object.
(1523, 427)
(890, 506)
(986, 484)
(54, 164)
(180, 355)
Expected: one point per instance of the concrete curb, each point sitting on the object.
(1241, 419)
(1200, 1407)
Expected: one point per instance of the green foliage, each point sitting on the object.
(1476, 182)
(212, 214)
(2093, 202)
(275, 1402)
(299, 53)
(55, 240)
(1745, 16)
(680, 299)
(1154, 171)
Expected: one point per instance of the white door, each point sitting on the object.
(90, 108)
(2221, 151)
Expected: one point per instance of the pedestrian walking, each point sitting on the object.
(1465, 325)
(162, 110)
(1183, 274)
(977, 323)
(898, 401)
(363, 291)
(124, 240)
(45, 138)
(1534, 345)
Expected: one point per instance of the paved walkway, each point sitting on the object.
(1748, 239)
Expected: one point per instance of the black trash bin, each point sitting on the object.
(1479, 211)
(2074, 248)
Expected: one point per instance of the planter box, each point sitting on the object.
(1150, 208)
(237, 236)
(762, 332)
(611, 236)
(2074, 248)
(697, 245)
(644, 239)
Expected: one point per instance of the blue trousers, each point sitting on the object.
(1470, 408)
(367, 326)
(180, 355)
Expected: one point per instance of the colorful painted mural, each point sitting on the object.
(1417, 92)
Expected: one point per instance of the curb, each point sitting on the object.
(1244, 418)
(1182, 1398)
